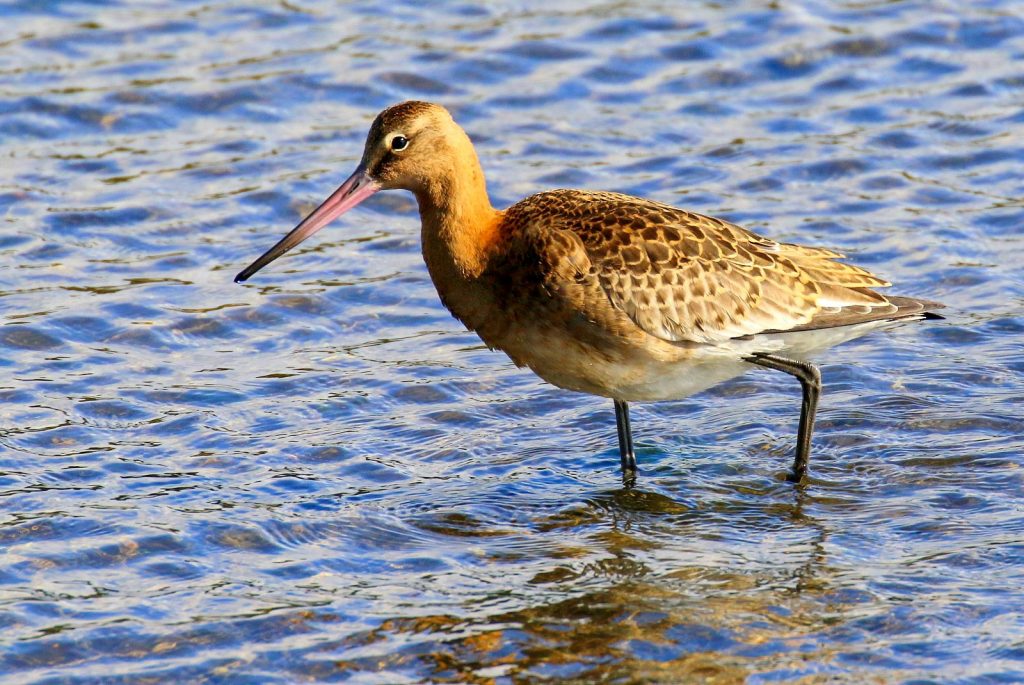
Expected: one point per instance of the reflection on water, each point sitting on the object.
(319, 476)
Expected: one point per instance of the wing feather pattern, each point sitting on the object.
(682, 276)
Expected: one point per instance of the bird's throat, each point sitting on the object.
(459, 226)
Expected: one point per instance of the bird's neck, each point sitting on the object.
(459, 225)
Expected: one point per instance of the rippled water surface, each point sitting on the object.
(320, 476)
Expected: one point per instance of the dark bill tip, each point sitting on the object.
(354, 190)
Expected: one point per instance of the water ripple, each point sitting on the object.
(319, 476)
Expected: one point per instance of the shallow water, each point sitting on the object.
(320, 476)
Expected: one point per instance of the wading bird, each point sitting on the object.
(610, 294)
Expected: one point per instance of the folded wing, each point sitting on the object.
(682, 276)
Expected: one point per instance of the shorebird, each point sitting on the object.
(609, 294)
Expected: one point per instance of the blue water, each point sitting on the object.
(319, 476)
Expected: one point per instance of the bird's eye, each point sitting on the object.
(399, 143)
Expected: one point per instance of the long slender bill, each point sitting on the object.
(357, 188)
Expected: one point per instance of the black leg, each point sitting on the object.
(626, 454)
(810, 380)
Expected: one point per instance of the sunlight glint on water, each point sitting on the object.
(320, 476)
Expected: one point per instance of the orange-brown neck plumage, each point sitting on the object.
(460, 227)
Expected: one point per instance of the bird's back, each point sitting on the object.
(682, 276)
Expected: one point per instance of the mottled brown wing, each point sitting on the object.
(684, 276)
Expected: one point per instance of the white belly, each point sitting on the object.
(640, 377)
